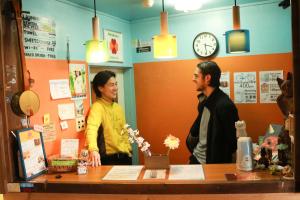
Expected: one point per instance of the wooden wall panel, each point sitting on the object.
(41, 196)
(296, 61)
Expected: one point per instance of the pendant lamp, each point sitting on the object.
(237, 40)
(165, 44)
(96, 49)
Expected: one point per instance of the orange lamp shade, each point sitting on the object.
(96, 51)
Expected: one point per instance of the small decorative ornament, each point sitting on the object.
(82, 168)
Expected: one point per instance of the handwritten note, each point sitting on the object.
(66, 111)
(69, 148)
(59, 89)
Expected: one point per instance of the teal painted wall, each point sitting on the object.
(75, 22)
(269, 25)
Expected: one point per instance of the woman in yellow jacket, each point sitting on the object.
(106, 143)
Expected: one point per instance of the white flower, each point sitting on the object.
(145, 147)
(139, 141)
(172, 142)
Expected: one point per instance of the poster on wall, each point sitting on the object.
(39, 37)
(245, 87)
(225, 82)
(269, 89)
(115, 45)
(32, 153)
(77, 81)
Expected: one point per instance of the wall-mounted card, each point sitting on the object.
(80, 124)
(64, 125)
(46, 118)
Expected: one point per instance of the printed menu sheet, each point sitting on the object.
(124, 172)
(245, 87)
(225, 82)
(269, 89)
(186, 172)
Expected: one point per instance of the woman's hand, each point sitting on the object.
(95, 158)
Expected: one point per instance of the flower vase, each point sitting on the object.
(157, 161)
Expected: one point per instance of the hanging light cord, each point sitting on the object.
(234, 2)
(95, 7)
(163, 5)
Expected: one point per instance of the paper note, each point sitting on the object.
(130, 172)
(160, 174)
(38, 128)
(59, 89)
(46, 118)
(66, 111)
(64, 125)
(186, 172)
(49, 132)
(69, 148)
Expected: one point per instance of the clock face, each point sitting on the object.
(205, 44)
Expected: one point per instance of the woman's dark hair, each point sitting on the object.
(101, 79)
(211, 68)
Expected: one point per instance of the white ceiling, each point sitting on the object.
(133, 9)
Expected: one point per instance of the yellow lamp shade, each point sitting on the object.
(96, 51)
(165, 46)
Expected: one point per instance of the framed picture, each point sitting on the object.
(115, 45)
(32, 155)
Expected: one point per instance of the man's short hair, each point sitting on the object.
(101, 79)
(211, 68)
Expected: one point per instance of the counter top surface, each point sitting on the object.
(215, 182)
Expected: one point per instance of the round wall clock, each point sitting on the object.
(205, 44)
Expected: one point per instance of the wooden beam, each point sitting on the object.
(296, 73)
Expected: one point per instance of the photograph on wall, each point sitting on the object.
(245, 87)
(32, 153)
(77, 79)
(269, 89)
(225, 82)
(115, 45)
(79, 108)
(39, 37)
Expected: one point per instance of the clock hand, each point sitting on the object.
(205, 48)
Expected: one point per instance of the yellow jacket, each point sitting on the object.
(112, 119)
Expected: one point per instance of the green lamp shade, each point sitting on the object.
(96, 51)
(237, 41)
(165, 46)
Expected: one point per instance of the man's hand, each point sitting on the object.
(95, 158)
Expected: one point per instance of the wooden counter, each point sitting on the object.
(215, 182)
(91, 186)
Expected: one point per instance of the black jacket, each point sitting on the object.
(221, 133)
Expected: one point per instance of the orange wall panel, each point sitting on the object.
(166, 101)
(43, 70)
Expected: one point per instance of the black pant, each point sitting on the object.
(193, 160)
(116, 159)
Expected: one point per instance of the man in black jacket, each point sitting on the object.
(212, 137)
